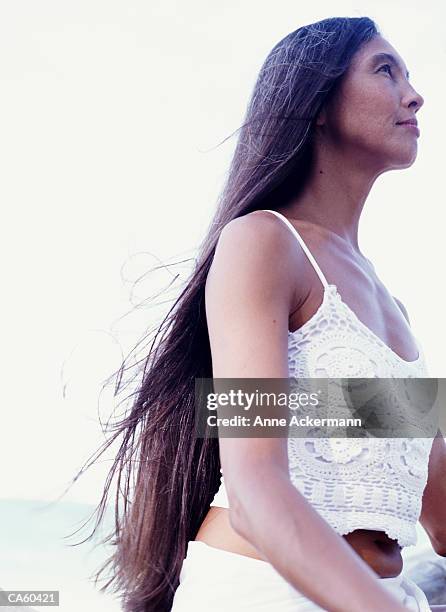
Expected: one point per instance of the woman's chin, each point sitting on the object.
(405, 161)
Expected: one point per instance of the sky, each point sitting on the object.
(113, 115)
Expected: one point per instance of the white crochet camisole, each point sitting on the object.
(354, 483)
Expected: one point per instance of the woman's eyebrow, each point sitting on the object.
(390, 58)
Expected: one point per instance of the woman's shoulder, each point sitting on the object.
(257, 223)
(261, 252)
(263, 240)
(265, 233)
(255, 240)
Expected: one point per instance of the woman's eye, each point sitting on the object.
(386, 66)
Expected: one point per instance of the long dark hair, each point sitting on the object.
(167, 477)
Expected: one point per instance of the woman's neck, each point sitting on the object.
(334, 194)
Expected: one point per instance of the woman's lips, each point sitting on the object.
(410, 126)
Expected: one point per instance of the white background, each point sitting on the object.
(111, 117)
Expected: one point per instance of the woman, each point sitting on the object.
(332, 109)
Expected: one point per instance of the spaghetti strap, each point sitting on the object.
(303, 245)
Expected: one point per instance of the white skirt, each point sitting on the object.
(223, 581)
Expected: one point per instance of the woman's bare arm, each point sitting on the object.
(433, 508)
(249, 295)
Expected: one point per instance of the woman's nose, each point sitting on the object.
(414, 99)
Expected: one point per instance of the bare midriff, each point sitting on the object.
(379, 551)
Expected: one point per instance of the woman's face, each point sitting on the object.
(363, 117)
